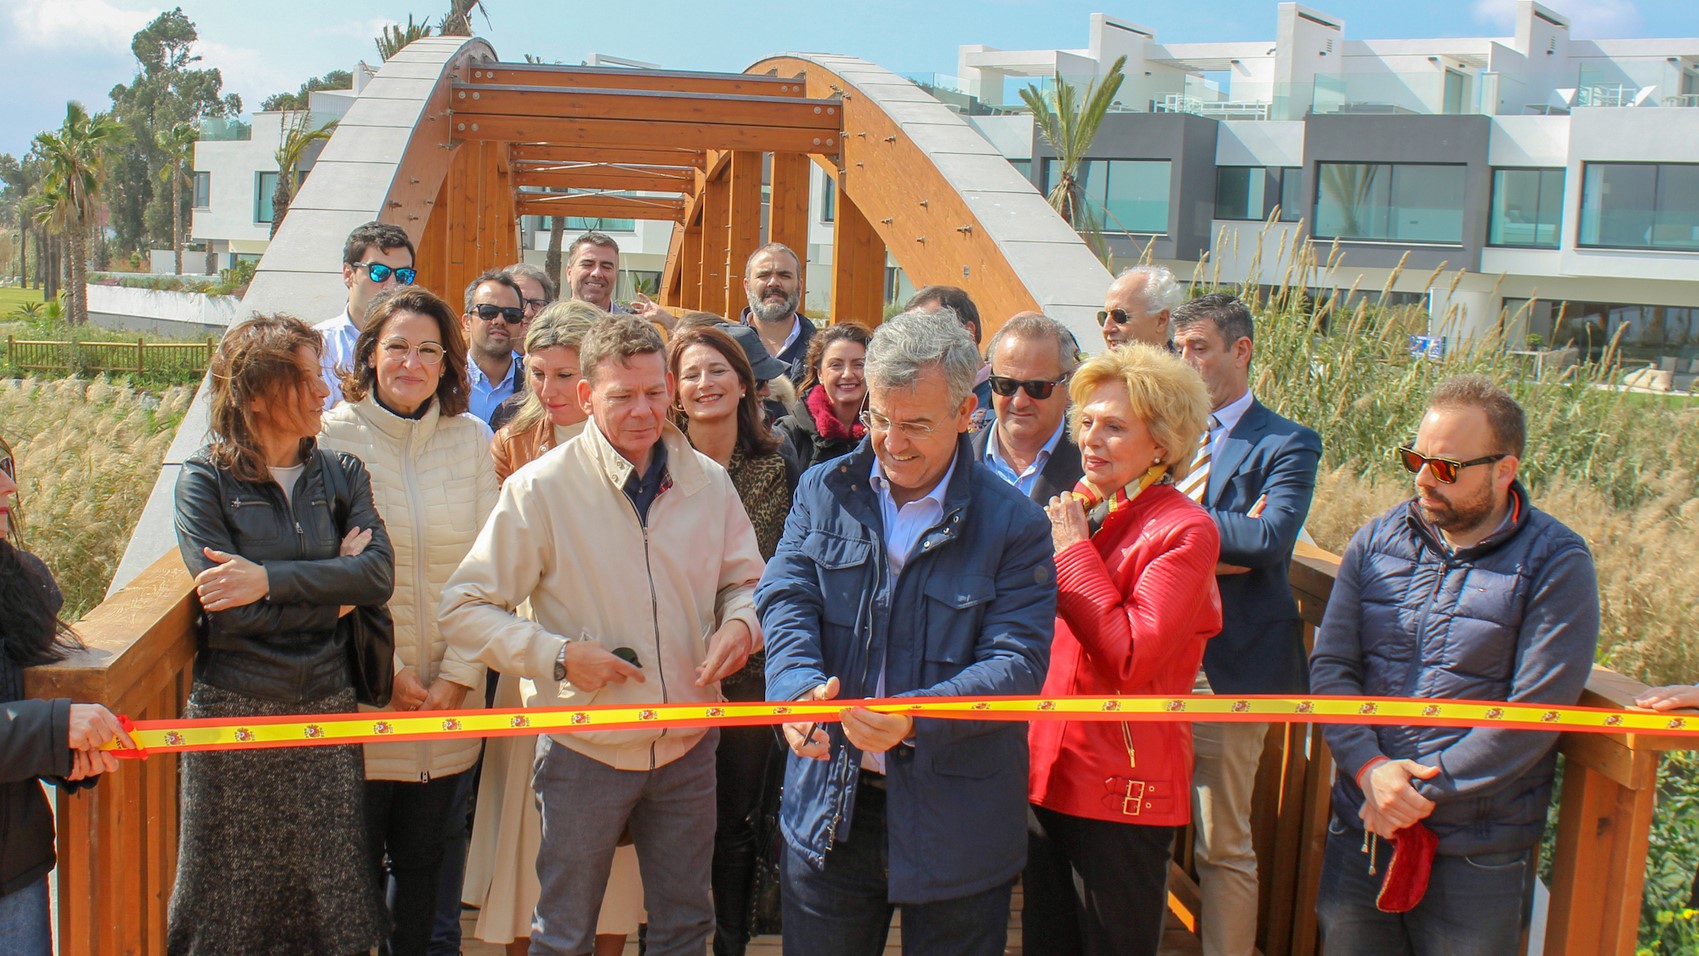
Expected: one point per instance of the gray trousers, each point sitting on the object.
(585, 804)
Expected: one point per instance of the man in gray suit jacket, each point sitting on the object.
(1260, 474)
(1028, 443)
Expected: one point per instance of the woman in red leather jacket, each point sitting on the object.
(1135, 574)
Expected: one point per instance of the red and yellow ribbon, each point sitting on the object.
(178, 736)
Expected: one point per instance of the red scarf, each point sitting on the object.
(826, 421)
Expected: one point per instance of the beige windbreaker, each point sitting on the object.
(565, 537)
(433, 483)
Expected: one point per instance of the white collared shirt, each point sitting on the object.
(340, 334)
(1000, 466)
(1227, 417)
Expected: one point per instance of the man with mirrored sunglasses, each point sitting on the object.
(1463, 592)
(495, 312)
(1028, 444)
(376, 257)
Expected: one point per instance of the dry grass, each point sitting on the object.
(88, 454)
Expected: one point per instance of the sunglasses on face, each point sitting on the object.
(1444, 469)
(507, 313)
(399, 348)
(381, 273)
(1036, 388)
(1119, 315)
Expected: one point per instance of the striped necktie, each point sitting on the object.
(1196, 481)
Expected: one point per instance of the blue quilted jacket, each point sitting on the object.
(1514, 618)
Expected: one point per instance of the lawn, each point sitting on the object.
(11, 299)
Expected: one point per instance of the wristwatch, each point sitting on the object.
(560, 664)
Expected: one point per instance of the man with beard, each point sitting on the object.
(1464, 592)
(772, 279)
(495, 310)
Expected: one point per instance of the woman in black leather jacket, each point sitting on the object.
(272, 851)
(39, 739)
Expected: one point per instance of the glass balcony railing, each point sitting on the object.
(215, 129)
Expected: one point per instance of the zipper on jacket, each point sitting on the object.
(415, 511)
(654, 611)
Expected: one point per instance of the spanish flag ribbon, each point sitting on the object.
(179, 736)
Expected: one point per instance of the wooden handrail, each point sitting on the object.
(118, 840)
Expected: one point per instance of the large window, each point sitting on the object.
(828, 199)
(1251, 192)
(1390, 202)
(265, 184)
(582, 224)
(1640, 206)
(1527, 208)
(1662, 335)
(1124, 195)
(203, 190)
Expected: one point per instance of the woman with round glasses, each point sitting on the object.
(433, 481)
(1136, 600)
(263, 832)
(53, 740)
(825, 422)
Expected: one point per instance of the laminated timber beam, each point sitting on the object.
(633, 155)
(476, 127)
(621, 78)
(662, 179)
(667, 208)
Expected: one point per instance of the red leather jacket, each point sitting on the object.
(1135, 605)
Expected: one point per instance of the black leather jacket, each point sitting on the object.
(34, 737)
(286, 646)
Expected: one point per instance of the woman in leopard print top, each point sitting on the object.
(719, 410)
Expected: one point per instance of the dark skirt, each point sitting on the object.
(272, 854)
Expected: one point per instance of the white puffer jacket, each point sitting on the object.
(434, 484)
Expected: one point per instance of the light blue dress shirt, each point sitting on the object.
(486, 395)
(1000, 466)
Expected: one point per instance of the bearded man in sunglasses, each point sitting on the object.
(376, 257)
(1466, 592)
(495, 311)
(1028, 444)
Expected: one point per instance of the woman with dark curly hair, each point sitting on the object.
(272, 851)
(405, 418)
(825, 422)
(719, 411)
(52, 740)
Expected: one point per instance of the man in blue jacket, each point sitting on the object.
(1254, 474)
(1463, 592)
(907, 570)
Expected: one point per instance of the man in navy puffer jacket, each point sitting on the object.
(1464, 592)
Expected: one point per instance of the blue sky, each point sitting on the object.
(56, 50)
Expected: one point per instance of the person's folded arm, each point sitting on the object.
(1129, 638)
(1554, 656)
(507, 562)
(34, 739)
(199, 521)
(789, 602)
(1336, 664)
(363, 580)
(1290, 482)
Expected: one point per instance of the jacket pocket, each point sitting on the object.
(976, 757)
(256, 522)
(844, 577)
(954, 608)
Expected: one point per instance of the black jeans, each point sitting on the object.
(405, 821)
(748, 767)
(1093, 887)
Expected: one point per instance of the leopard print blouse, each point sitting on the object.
(764, 487)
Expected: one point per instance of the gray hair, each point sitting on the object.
(1161, 291)
(905, 345)
(525, 270)
(1031, 326)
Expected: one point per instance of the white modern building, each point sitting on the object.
(1559, 174)
(236, 172)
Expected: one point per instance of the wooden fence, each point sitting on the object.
(140, 356)
(118, 841)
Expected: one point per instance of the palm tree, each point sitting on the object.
(395, 37)
(77, 155)
(1068, 118)
(457, 22)
(178, 145)
(296, 136)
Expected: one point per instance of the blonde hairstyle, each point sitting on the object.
(559, 325)
(1165, 393)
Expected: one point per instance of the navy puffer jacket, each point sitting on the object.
(1513, 618)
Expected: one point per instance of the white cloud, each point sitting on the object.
(251, 73)
(75, 24)
(366, 29)
(1593, 19)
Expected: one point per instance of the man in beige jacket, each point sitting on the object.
(640, 567)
